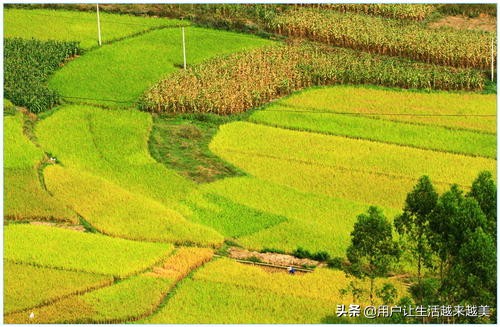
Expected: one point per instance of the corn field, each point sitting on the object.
(463, 49)
(238, 82)
(415, 12)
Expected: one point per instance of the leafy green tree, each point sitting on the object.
(388, 293)
(473, 276)
(484, 190)
(413, 223)
(453, 221)
(372, 249)
(441, 224)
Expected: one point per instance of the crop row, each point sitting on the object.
(130, 299)
(28, 64)
(27, 286)
(225, 291)
(65, 249)
(416, 12)
(358, 170)
(24, 198)
(389, 37)
(245, 80)
(468, 111)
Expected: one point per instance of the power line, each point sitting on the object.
(94, 99)
(376, 114)
(342, 168)
(346, 113)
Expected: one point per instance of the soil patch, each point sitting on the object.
(483, 23)
(272, 258)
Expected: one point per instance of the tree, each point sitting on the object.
(441, 225)
(372, 248)
(452, 223)
(473, 275)
(413, 223)
(484, 190)
(388, 293)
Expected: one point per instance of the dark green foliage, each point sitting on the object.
(469, 10)
(372, 249)
(388, 293)
(473, 276)
(321, 256)
(181, 143)
(428, 290)
(28, 64)
(335, 263)
(413, 223)
(484, 190)
(301, 253)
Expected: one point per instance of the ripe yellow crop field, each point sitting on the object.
(130, 299)
(110, 178)
(65, 249)
(452, 122)
(225, 291)
(183, 261)
(27, 286)
(436, 108)
(359, 170)
(326, 220)
(24, 197)
(118, 212)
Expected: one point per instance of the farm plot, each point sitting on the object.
(124, 70)
(358, 170)
(77, 26)
(76, 251)
(24, 198)
(27, 286)
(450, 122)
(130, 299)
(224, 291)
(326, 221)
(110, 178)
(435, 108)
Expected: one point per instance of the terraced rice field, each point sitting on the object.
(24, 198)
(129, 299)
(224, 291)
(78, 26)
(310, 163)
(118, 74)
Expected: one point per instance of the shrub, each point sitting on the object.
(321, 256)
(335, 263)
(28, 65)
(301, 253)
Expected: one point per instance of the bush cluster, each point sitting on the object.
(28, 64)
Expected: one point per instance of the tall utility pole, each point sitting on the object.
(184, 47)
(98, 26)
